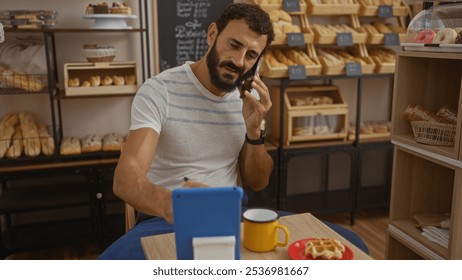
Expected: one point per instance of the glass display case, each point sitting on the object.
(436, 28)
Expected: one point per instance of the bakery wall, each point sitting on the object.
(101, 115)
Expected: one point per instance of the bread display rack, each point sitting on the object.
(311, 113)
(123, 78)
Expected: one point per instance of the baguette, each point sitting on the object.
(46, 141)
(10, 119)
(6, 132)
(15, 150)
(31, 140)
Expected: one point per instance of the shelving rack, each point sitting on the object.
(31, 210)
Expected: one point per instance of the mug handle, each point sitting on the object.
(286, 234)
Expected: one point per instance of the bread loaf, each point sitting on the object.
(91, 143)
(46, 141)
(113, 141)
(70, 146)
(15, 150)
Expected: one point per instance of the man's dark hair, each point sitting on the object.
(257, 19)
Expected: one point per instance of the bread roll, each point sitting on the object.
(91, 143)
(118, 80)
(130, 79)
(70, 146)
(47, 142)
(95, 81)
(86, 84)
(113, 142)
(107, 81)
(75, 82)
(15, 150)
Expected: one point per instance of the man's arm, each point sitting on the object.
(255, 166)
(130, 181)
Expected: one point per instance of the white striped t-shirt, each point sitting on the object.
(201, 134)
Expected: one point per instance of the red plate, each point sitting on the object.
(297, 251)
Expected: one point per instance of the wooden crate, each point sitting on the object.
(370, 10)
(283, 72)
(84, 71)
(383, 67)
(316, 116)
(315, 8)
(308, 34)
(358, 38)
(278, 5)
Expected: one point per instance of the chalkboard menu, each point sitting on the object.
(181, 29)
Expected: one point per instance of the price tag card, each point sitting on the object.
(344, 39)
(353, 69)
(297, 72)
(295, 39)
(391, 39)
(291, 5)
(385, 11)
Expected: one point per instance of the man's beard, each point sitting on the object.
(226, 82)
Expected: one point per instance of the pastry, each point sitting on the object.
(445, 36)
(324, 248)
(95, 81)
(107, 81)
(118, 80)
(74, 82)
(86, 84)
(130, 79)
(15, 150)
(70, 146)
(425, 36)
(120, 8)
(91, 143)
(113, 142)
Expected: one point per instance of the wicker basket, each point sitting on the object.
(433, 133)
(100, 54)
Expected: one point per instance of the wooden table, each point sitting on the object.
(300, 226)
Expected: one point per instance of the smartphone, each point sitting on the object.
(246, 84)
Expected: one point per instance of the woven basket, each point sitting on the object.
(433, 133)
(100, 54)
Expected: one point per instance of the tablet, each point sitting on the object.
(205, 212)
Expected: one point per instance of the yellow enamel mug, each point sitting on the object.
(261, 230)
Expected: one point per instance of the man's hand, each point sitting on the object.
(254, 110)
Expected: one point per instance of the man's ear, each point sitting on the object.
(212, 33)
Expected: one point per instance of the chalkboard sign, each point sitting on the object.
(181, 29)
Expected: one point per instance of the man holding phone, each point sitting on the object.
(190, 121)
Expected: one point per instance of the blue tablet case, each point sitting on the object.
(205, 212)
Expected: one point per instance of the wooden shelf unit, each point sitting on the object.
(425, 179)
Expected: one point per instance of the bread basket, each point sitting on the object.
(100, 54)
(434, 133)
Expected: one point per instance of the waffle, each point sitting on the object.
(325, 248)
